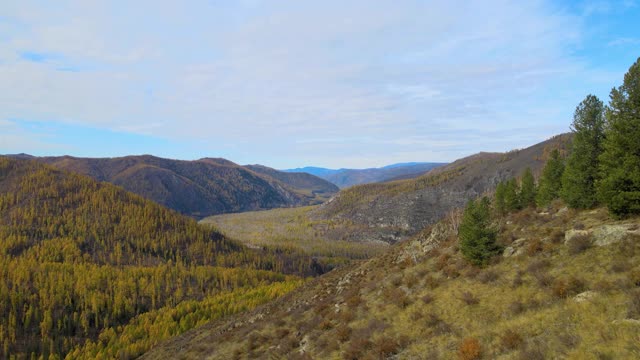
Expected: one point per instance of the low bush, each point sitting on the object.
(579, 244)
(470, 349)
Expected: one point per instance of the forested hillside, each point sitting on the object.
(202, 187)
(79, 258)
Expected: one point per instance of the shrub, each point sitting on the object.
(468, 298)
(517, 307)
(470, 349)
(564, 288)
(534, 246)
(510, 340)
(578, 244)
(385, 346)
(633, 308)
(488, 276)
(343, 333)
(428, 299)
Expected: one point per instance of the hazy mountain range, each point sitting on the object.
(344, 178)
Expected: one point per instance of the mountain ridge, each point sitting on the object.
(200, 188)
(345, 177)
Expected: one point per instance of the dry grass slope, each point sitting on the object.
(422, 300)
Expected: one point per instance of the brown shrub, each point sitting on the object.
(634, 277)
(534, 246)
(451, 272)
(603, 286)
(470, 349)
(517, 280)
(557, 236)
(543, 279)
(427, 299)
(326, 325)
(396, 280)
(431, 282)
(579, 244)
(562, 288)
(385, 346)
(343, 333)
(468, 298)
(442, 262)
(620, 265)
(472, 272)
(578, 226)
(633, 306)
(439, 326)
(569, 341)
(354, 300)
(538, 265)
(356, 349)
(517, 307)
(532, 354)
(488, 276)
(510, 340)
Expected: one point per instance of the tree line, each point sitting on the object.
(602, 169)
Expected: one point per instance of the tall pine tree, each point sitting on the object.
(500, 205)
(528, 189)
(619, 187)
(477, 236)
(581, 172)
(551, 180)
(511, 195)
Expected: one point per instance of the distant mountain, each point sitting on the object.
(344, 178)
(202, 187)
(401, 208)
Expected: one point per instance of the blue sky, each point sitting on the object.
(296, 83)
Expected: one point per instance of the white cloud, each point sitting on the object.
(279, 75)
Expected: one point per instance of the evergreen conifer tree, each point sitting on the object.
(511, 196)
(551, 180)
(477, 236)
(500, 205)
(528, 189)
(581, 172)
(619, 187)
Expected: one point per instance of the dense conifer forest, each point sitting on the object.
(78, 257)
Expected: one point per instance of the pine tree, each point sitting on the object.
(511, 196)
(581, 172)
(619, 188)
(499, 203)
(551, 180)
(477, 236)
(528, 189)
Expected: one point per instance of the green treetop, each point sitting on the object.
(619, 187)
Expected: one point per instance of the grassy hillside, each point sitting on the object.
(329, 240)
(80, 259)
(405, 207)
(568, 286)
(203, 187)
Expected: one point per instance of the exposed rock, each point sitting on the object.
(585, 296)
(611, 234)
(569, 235)
(508, 251)
(516, 248)
(627, 322)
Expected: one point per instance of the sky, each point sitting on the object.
(303, 83)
